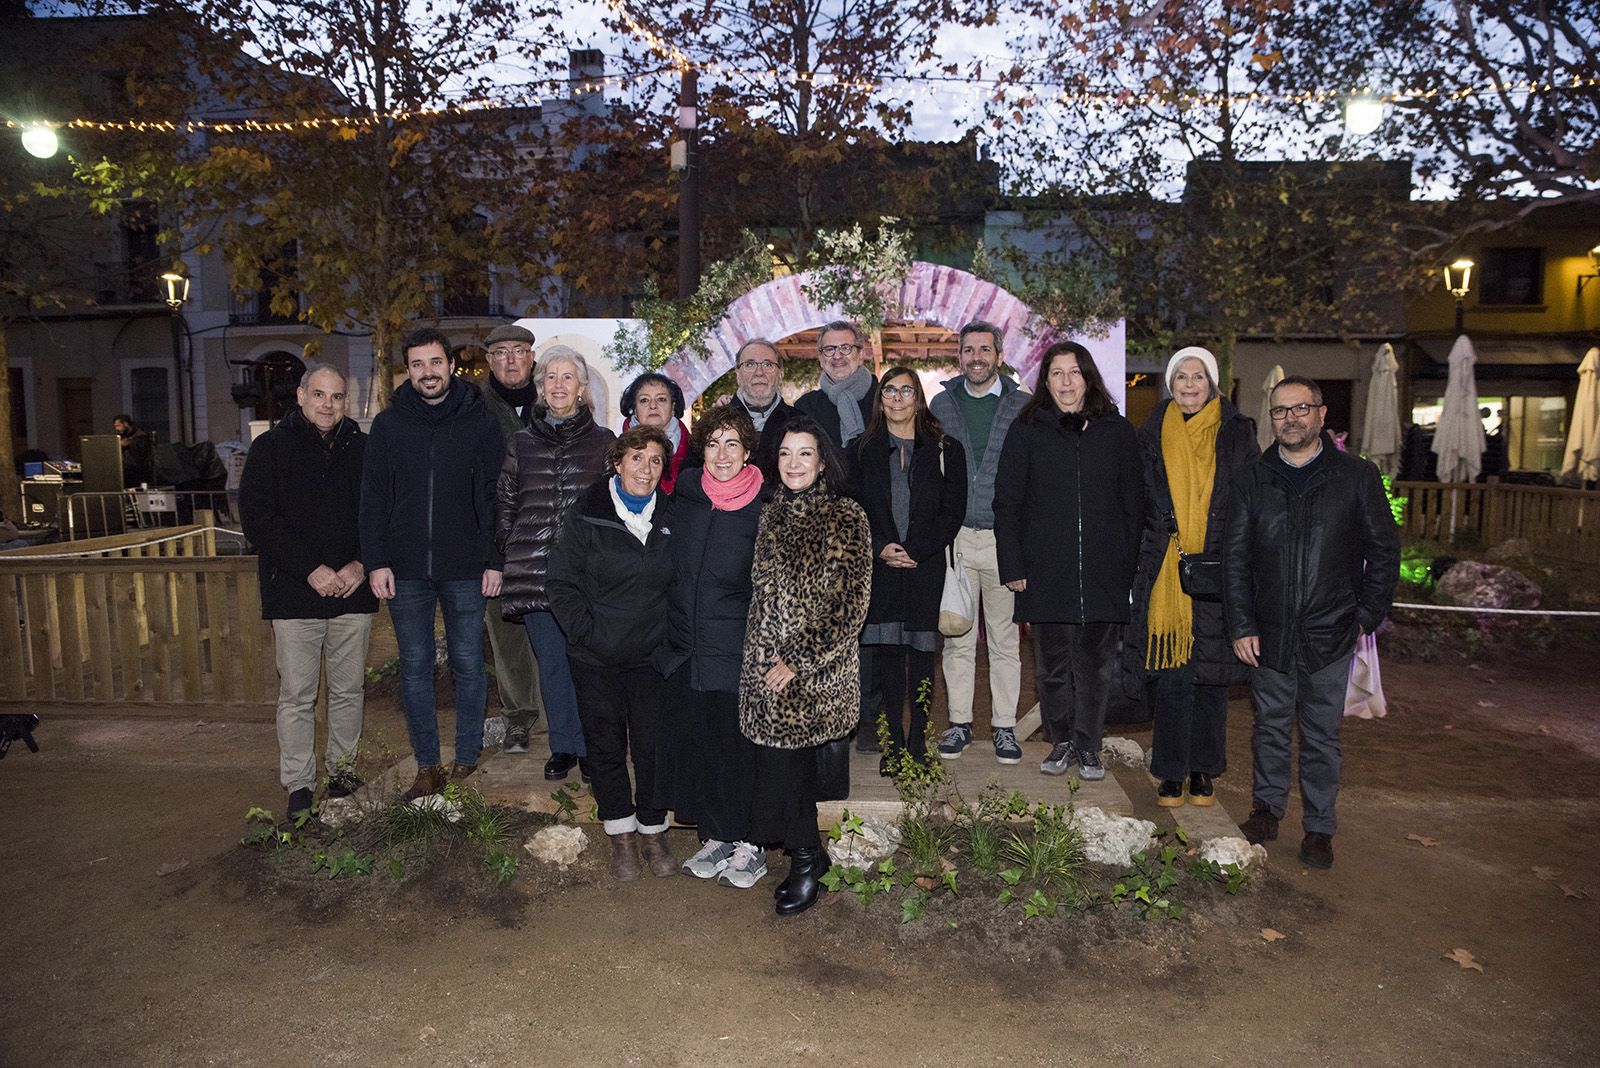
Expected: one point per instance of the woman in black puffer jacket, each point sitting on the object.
(706, 768)
(1068, 510)
(608, 589)
(1193, 445)
(546, 467)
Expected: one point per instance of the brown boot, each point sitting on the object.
(430, 780)
(459, 771)
(654, 848)
(625, 856)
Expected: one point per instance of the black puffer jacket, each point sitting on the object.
(1212, 658)
(1305, 570)
(1068, 508)
(299, 497)
(427, 486)
(607, 589)
(546, 467)
(708, 605)
(910, 595)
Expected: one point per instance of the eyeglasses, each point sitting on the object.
(508, 353)
(902, 392)
(1281, 412)
(759, 365)
(839, 350)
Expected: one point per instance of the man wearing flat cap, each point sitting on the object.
(509, 392)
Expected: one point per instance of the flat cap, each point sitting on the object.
(509, 332)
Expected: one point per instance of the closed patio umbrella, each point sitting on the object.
(1459, 440)
(1581, 462)
(1380, 426)
(1264, 436)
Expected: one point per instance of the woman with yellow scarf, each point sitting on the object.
(1193, 445)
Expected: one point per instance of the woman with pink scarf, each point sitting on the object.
(705, 766)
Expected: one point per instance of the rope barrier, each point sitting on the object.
(1496, 611)
(122, 548)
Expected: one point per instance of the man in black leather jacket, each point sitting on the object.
(1311, 559)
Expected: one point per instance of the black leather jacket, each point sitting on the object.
(1305, 570)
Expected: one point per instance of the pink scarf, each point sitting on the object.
(734, 494)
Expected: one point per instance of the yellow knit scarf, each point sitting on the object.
(1189, 449)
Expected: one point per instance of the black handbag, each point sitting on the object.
(833, 770)
(1200, 575)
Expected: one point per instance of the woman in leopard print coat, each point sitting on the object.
(799, 683)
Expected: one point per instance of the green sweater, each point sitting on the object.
(978, 413)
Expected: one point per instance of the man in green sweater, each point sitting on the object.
(977, 409)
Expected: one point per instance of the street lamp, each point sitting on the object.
(1362, 115)
(1585, 279)
(39, 141)
(1458, 280)
(177, 291)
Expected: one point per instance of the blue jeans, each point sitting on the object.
(555, 683)
(411, 611)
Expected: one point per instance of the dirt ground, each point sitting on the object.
(107, 961)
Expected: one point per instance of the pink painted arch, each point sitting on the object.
(931, 293)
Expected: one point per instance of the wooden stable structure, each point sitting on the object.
(1561, 524)
(152, 621)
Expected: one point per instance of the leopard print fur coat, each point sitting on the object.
(810, 583)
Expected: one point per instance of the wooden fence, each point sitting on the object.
(1563, 524)
(150, 621)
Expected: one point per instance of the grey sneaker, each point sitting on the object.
(1006, 749)
(516, 739)
(955, 738)
(1060, 759)
(1089, 767)
(709, 862)
(748, 864)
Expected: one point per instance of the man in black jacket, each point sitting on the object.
(298, 496)
(510, 393)
(427, 499)
(1310, 562)
(842, 402)
(758, 368)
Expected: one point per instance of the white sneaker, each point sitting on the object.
(710, 860)
(748, 864)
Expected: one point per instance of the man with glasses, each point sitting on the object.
(1310, 562)
(758, 368)
(842, 402)
(977, 408)
(509, 393)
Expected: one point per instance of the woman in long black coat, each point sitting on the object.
(1193, 445)
(608, 589)
(1068, 510)
(912, 481)
(706, 767)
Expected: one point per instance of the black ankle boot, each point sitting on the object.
(801, 889)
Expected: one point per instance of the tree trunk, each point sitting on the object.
(382, 368)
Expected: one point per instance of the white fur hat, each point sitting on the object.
(1192, 352)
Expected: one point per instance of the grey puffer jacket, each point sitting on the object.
(547, 466)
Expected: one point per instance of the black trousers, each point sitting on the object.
(1073, 664)
(902, 674)
(1191, 725)
(783, 807)
(617, 707)
(871, 694)
(705, 767)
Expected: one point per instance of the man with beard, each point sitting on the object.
(977, 408)
(842, 402)
(298, 497)
(427, 503)
(1310, 562)
(510, 393)
(758, 368)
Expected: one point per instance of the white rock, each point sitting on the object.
(1122, 752)
(560, 845)
(451, 809)
(1112, 840)
(1233, 850)
(494, 732)
(339, 811)
(876, 839)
